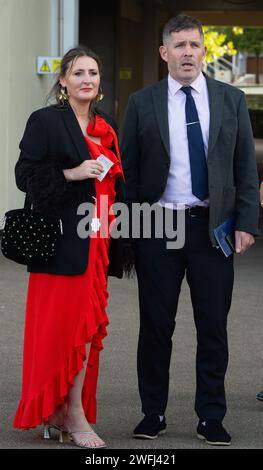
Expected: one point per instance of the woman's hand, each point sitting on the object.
(87, 169)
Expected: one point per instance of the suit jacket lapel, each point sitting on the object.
(160, 100)
(216, 101)
(75, 131)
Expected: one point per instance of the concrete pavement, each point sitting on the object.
(118, 400)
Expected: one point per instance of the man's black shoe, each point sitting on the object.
(213, 433)
(260, 395)
(150, 427)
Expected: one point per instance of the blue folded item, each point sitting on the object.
(225, 236)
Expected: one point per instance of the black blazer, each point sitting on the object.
(53, 141)
(232, 172)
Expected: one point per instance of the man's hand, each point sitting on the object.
(244, 241)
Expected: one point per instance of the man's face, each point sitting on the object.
(184, 53)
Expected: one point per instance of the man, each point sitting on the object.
(188, 140)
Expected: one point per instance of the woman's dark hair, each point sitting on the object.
(179, 23)
(66, 65)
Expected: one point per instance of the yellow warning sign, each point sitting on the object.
(56, 65)
(48, 65)
(125, 73)
(45, 67)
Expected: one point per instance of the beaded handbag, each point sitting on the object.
(29, 237)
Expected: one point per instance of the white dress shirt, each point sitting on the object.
(179, 187)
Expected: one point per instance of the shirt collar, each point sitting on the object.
(197, 84)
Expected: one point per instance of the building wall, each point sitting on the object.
(24, 34)
(130, 57)
(228, 18)
(252, 67)
(98, 30)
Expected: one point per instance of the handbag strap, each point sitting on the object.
(2, 222)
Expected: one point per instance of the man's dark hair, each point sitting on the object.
(179, 23)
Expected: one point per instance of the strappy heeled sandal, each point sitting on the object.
(67, 437)
(47, 427)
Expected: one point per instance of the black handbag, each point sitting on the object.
(29, 237)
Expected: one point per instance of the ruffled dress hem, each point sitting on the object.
(33, 412)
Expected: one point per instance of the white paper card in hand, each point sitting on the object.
(106, 163)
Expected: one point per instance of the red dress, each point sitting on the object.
(64, 313)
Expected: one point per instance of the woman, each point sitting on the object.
(65, 314)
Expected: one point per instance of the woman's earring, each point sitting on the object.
(63, 95)
(100, 95)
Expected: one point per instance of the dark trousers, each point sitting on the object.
(210, 277)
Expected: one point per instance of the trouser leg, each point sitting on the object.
(210, 276)
(160, 273)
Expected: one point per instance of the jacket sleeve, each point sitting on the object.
(37, 174)
(130, 152)
(246, 177)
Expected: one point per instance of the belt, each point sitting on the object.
(197, 211)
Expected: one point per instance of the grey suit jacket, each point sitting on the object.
(232, 172)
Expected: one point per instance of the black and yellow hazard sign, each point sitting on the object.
(45, 67)
(48, 65)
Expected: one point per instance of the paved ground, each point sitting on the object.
(118, 401)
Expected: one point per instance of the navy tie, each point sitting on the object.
(197, 156)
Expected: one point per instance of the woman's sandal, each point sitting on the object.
(65, 436)
(48, 426)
